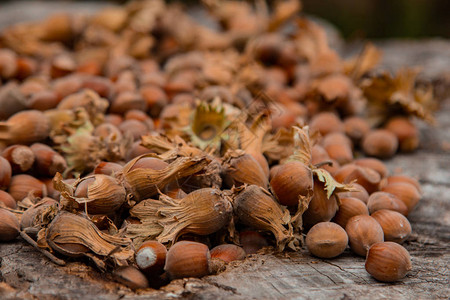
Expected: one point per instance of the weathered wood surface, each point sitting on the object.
(26, 274)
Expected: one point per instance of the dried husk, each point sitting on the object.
(171, 149)
(208, 123)
(251, 138)
(34, 215)
(67, 228)
(82, 149)
(144, 183)
(201, 212)
(104, 194)
(255, 207)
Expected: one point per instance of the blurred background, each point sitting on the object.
(355, 19)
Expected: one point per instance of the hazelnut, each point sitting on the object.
(349, 208)
(326, 240)
(356, 128)
(404, 191)
(326, 122)
(252, 241)
(20, 157)
(228, 252)
(320, 208)
(383, 200)
(5, 173)
(22, 184)
(291, 180)
(388, 261)
(380, 143)
(151, 257)
(363, 231)
(131, 277)
(396, 226)
(187, 259)
(401, 178)
(9, 226)
(342, 153)
(405, 131)
(359, 193)
(374, 164)
(7, 200)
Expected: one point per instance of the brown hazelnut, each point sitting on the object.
(131, 277)
(23, 184)
(363, 231)
(349, 208)
(187, 259)
(326, 240)
(9, 226)
(388, 261)
(326, 122)
(252, 241)
(320, 208)
(374, 164)
(151, 257)
(404, 191)
(5, 173)
(359, 193)
(228, 252)
(356, 128)
(396, 226)
(380, 143)
(405, 131)
(291, 180)
(7, 200)
(383, 200)
(401, 178)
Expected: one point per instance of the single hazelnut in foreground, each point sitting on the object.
(388, 261)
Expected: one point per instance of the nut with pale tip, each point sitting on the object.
(151, 257)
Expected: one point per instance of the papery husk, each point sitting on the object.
(256, 207)
(208, 124)
(302, 145)
(251, 138)
(210, 176)
(279, 146)
(105, 194)
(39, 213)
(203, 212)
(242, 168)
(68, 228)
(82, 149)
(397, 95)
(94, 105)
(144, 183)
(169, 150)
(369, 57)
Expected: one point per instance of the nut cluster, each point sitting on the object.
(162, 149)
